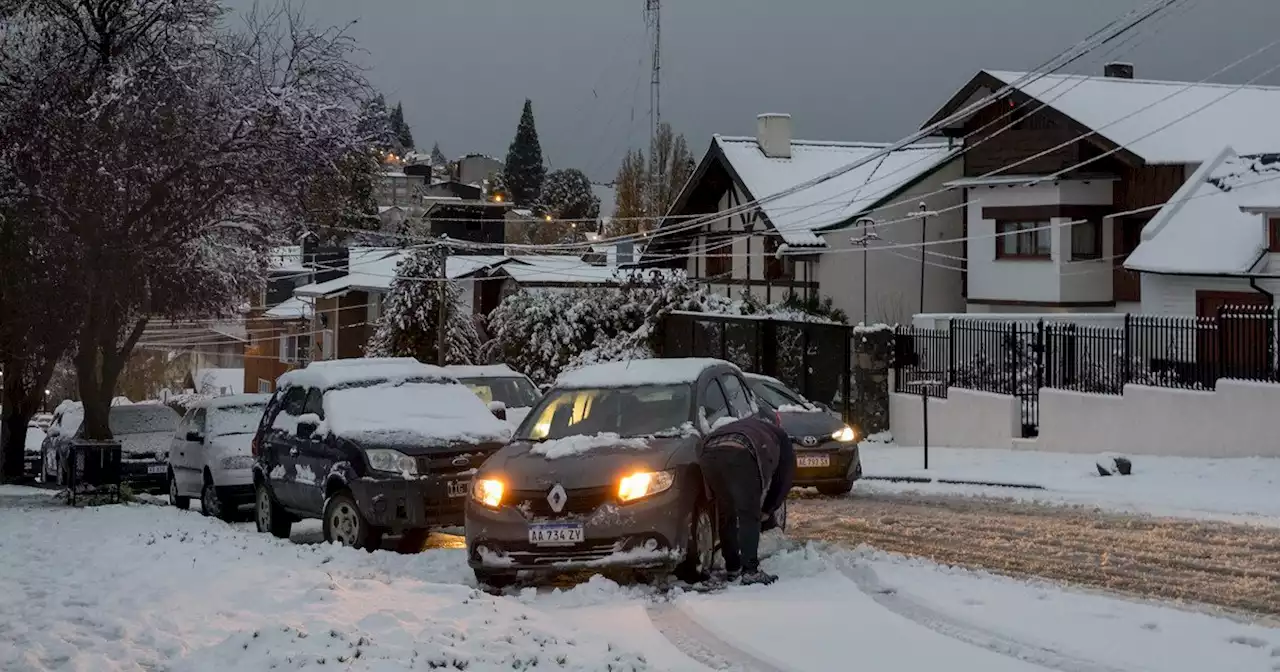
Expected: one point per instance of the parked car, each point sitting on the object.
(144, 432)
(62, 429)
(43, 420)
(826, 448)
(210, 456)
(603, 473)
(32, 461)
(509, 394)
(370, 446)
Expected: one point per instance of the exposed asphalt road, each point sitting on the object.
(1231, 566)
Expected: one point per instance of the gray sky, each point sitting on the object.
(844, 69)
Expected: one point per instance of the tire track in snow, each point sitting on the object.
(866, 579)
(699, 643)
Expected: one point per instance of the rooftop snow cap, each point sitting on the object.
(773, 134)
(1118, 70)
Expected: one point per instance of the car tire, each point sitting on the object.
(495, 579)
(183, 503)
(700, 550)
(268, 515)
(837, 490)
(212, 505)
(413, 541)
(344, 524)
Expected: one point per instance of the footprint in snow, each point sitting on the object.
(971, 602)
(1151, 626)
(1247, 641)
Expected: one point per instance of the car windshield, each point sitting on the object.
(142, 419)
(515, 392)
(228, 420)
(626, 411)
(775, 395)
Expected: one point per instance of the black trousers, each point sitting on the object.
(734, 479)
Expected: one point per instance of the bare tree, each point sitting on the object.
(648, 187)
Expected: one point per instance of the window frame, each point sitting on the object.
(712, 415)
(1273, 234)
(1091, 255)
(717, 263)
(744, 393)
(1037, 228)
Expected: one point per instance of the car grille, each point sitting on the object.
(443, 463)
(580, 501)
(529, 555)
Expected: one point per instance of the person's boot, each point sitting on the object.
(758, 577)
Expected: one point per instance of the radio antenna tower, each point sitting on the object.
(653, 19)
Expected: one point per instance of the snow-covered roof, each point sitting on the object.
(371, 269)
(566, 269)
(384, 208)
(217, 381)
(488, 371)
(287, 258)
(292, 308)
(798, 216)
(336, 372)
(638, 372)
(1203, 229)
(232, 400)
(1242, 117)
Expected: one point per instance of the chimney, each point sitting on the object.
(773, 134)
(1117, 70)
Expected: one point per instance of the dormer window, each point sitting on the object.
(1273, 234)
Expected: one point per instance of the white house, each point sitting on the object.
(1218, 240)
(809, 243)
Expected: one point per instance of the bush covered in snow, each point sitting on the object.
(408, 326)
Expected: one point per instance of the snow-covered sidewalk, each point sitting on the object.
(149, 587)
(1233, 490)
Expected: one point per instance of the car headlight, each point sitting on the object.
(643, 484)
(844, 434)
(237, 462)
(488, 491)
(392, 461)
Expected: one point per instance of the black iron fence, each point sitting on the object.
(1020, 358)
(814, 359)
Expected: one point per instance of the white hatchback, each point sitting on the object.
(211, 457)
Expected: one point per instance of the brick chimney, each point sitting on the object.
(1118, 70)
(773, 135)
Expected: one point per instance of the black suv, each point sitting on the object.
(371, 447)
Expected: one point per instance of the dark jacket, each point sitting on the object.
(773, 453)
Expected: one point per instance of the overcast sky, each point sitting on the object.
(870, 70)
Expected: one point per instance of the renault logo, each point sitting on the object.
(557, 498)
(809, 440)
(461, 461)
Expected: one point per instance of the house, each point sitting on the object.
(396, 187)
(1217, 241)
(1062, 173)
(805, 237)
(475, 221)
(476, 168)
(454, 189)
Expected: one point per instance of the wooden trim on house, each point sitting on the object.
(1042, 304)
(1029, 213)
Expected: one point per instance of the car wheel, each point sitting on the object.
(212, 505)
(174, 498)
(700, 552)
(345, 525)
(836, 490)
(413, 541)
(495, 579)
(268, 516)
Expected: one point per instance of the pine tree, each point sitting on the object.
(403, 135)
(437, 156)
(524, 168)
(408, 326)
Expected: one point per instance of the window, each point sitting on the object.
(315, 402)
(1029, 240)
(264, 386)
(1086, 240)
(1273, 234)
(739, 401)
(775, 267)
(198, 422)
(295, 348)
(649, 410)
(716, 406)
(295, 400)
(719, 263)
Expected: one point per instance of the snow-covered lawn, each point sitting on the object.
(149, 587)
(1233, 489)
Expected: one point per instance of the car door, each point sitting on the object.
(735, 392)
(178, 450)
(282, 450)
(316, 457)
(715, 407)
(190, 471)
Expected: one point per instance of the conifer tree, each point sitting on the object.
(524, 170)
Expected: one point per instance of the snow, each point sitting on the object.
(219, 381)
(483, 371)
(371, 269)
(336, 372)
(1228, 489)
(638, 372)
(796, 408)
(578, 444)
(798, 216)
(294, 308)
(287, 259)
(412, 414)
(1125, 110)
(1202, 229)
(35, 439)
(305, 475)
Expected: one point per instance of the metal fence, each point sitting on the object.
(1020, 358)
(815, 359)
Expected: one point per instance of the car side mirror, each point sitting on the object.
(306, 430)
(194, 436)
(498, 409)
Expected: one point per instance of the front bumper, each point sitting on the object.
(647, 534)
(844, 465)
(399, 504)
(149, 476)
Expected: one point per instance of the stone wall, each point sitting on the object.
(872, 357)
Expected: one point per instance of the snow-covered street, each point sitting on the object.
(149, 587)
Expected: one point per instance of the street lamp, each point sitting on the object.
(46, 399)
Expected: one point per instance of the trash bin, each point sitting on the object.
(94, 468)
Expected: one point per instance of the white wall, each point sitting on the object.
(893, 276)
(1176, 294)
(1236, 420)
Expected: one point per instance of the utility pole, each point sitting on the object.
(924, 222)
(442, 334)
(653, 19)
(865, 241)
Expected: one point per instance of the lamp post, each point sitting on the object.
(864, 240)
(924, 221)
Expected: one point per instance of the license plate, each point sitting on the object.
(806, 461)
(555, 534)
(29, 465)
(157, 469)
(458, 488)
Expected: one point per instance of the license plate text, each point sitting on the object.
(813, 460)
(558, 534)
(458, 488)
(157, 469)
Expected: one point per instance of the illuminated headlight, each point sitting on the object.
(643, 484)
(237, 462)
(844, 434)
(392, 461)
(487, 491)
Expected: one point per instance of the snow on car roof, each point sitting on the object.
(413, 413)
(638, 372)
(333, 373)
(232, 400)
(486, 371)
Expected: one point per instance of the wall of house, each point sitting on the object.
(1144, 421)
(1176, 294)
(893, 275)
(262, 353)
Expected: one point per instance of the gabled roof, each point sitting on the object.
(373, 269)
(1132, 113)
(1203, 230)
(801, 216)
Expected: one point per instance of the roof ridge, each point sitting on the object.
(1137, 80)
(842, 143)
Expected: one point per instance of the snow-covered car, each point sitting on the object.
(509, 394)
(62, 430)
(826, 448)
(370, 446)
(32, 460)
(210, 457)
(603, 473)
(144, 432)
(43, 420)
